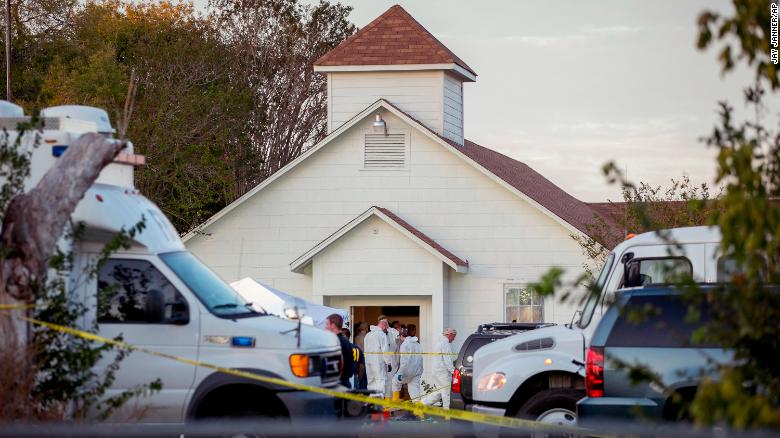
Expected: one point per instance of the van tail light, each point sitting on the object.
(456, 381)
(594, 372)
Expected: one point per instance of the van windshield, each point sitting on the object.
(212, 291)
(593, 299)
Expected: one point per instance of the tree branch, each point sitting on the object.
(34, 221)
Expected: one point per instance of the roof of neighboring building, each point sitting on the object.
(618, 209)
(608, 209)
(392, 219)
(393, 38)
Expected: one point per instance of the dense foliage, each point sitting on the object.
(224, 97)
(747, 392)
(744, 393)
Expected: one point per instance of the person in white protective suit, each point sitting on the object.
(394, 342)
(411, 367)
(443, 365)
(377, 361)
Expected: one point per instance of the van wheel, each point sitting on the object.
(553, 407)
(236, 403)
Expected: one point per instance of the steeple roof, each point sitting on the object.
(393, 38)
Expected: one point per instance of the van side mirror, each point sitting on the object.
(627, 257)
(155, 306)
(633, 278)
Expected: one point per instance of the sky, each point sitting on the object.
(567, 86)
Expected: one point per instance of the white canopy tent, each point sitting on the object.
(272, 300)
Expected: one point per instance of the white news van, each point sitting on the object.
(540, 374)
(160, 297)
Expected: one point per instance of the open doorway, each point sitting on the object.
(403, 316)
(368, 315)
(414, 309)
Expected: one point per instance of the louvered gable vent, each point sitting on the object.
(385, 151)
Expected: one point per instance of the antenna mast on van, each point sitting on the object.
(8, 95)
(124, 119)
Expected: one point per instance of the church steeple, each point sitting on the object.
(395, 58)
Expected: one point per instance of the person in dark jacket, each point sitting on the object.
(359, 379)
(333, 324)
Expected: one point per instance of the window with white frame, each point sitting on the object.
(522, 305)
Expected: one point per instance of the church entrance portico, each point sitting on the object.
(406, 309)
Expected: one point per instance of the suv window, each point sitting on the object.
(123, 286)
(656, 321)
(662, 270)
(727, 267)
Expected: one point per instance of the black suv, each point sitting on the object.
(464, 364)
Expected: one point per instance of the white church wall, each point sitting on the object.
(419, 93)
(376, 259)
(505, 239)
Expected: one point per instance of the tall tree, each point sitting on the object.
(279, 40)
(190, 106)
(746, 309)
(224, 99)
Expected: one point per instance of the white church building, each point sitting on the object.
(394, 211)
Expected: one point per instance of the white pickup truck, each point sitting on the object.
(160, 297)
(540, 374)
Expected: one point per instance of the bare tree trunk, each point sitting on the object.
(35, 221)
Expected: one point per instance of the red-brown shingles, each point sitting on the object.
(393, 38)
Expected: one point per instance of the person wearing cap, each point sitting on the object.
(443, 365)
(411, 366)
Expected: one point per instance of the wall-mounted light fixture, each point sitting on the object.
(379, 125)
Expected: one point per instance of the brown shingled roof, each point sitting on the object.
(522, 177)
(393, 38)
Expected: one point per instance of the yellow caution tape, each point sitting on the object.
(16, 306)
(422, 353)
(418, 408)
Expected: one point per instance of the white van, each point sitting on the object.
(540, 374)
(158, 296)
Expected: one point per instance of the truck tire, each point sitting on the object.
(552, 406)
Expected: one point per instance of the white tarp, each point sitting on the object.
(276, 302)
